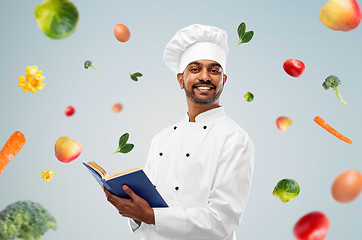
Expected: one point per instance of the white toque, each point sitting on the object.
(196, 42)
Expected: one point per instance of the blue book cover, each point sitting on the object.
(135, 178)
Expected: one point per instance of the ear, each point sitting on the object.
(224, 78)
(180, 77)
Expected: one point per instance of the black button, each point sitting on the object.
(161, 154)
(187, 154)
(174, 127)
(205, 127)
(154, 186)
(176, 188)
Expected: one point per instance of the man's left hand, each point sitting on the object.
(136, 207)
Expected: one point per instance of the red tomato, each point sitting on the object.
(294, 67)
(69, 111)
(121, 32)
(312, 226)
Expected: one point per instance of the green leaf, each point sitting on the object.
(134, 78)
(241, 30)
(123, 140)
(126, 148)
(137, 74)
(247, 37)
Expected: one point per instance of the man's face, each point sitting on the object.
(203, 81)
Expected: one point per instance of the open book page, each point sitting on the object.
(103, 173)
(121, 173)
(98, 169)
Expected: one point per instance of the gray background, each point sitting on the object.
(283, 29)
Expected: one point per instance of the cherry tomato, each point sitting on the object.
(294, 67)
(121, 32)
(312, 226)
(69, 111)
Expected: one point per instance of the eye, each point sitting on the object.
(194, 69)
(216, 70)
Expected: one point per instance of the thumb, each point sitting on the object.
(129, 192)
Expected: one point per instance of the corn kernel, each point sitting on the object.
(47, 175)
(21, 79)
(32, 79)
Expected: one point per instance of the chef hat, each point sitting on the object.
(196, 42)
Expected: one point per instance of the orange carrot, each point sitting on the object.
(331, 130)
(12, 147)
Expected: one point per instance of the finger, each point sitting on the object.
(129, 192)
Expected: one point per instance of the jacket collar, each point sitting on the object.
(209, 116)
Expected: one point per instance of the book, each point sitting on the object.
(135, 178)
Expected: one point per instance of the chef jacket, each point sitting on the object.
(203, 170)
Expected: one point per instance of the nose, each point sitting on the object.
(204, 74)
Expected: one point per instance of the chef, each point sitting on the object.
(202, 166)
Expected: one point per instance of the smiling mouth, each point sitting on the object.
(204, 88)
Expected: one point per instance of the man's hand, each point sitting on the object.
(136, 207)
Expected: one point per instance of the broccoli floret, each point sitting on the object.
(26, 220)
(332, 82)
(88, 64)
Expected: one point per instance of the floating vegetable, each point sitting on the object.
(249, 96)
(88, 64)
(331, 130)
(312, 226)
(25, 220)
(57, 18)
(123, 146)
(347, 186)
(121, 32)
(69, 111)
(294, 67)
(47, 175)
(135, 76)
(11, 148)
(244, 37)
(333, 82)
(32, 80)
(286, 190)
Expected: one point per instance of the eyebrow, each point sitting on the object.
(212, 64)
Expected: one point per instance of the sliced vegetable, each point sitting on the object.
(286, 190)
(333, 82)
(331, 130)
(11, 148)
(57, 19)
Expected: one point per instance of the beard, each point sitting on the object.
(203, 101)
